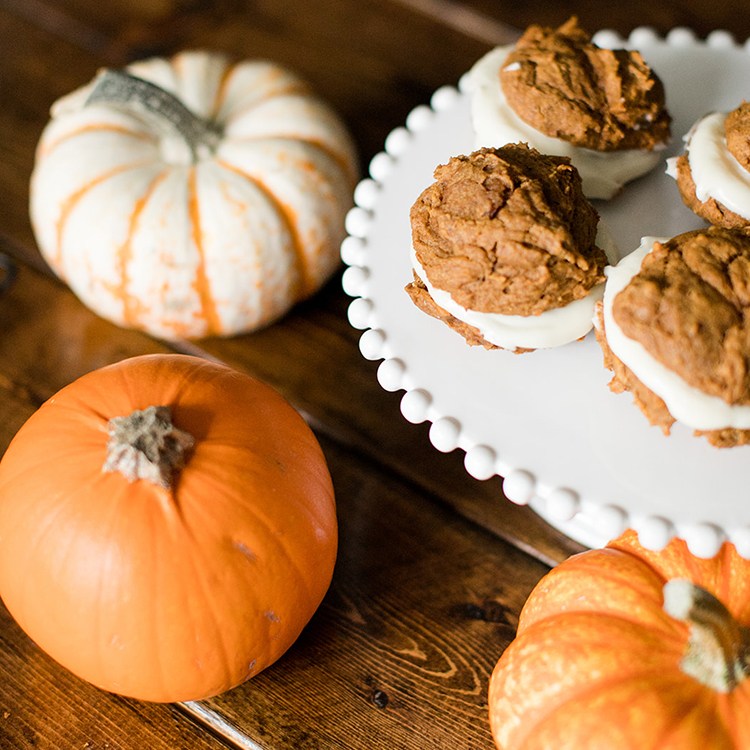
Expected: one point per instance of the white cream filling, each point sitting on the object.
(496, 124)
(716, 173)
(549, 329)
(686, 404)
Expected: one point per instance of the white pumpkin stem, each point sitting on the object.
(120, 89)
(146, 445)
(718, 648)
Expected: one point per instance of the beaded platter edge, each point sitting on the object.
(588, 523)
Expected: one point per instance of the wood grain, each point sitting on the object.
(421, 606)
(344, 398)
(434, 566)
(399, 655)
(698, 15)
(374, 61)
(43, 706)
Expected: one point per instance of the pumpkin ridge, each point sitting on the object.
(557, 638)
(576, 580)
(22, 574)
(678, 564)
(52, 516)
(69, 204)
(676, 636)
(170, 517)
(262, 520)
(125, 255)
(342, 162)
(173, 522)
(156, 595)
(207, 596)
(733, 708)
(115, 512)
(238, 498)
(668, 685)
(293, 88)
(241, 500)
(221, 91)
(672, 563)
(47, 148)
(304, 285)
(697, 707)
(201, 283)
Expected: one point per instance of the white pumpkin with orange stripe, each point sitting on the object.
(206, 202)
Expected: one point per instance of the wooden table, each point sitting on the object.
(433, 566)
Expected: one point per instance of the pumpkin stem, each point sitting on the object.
(136, 95)
(718, 648)
(146, 445)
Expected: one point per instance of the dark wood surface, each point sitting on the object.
(433, 566)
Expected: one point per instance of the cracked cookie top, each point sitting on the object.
(508, 231)
(562, 84)
(689, 306)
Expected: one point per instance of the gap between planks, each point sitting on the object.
(217, 725)
(465, 20)
(46, 16)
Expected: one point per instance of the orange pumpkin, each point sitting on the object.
(623, 648)
(165, 557)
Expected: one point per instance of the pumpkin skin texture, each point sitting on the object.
(166, 594)
(220, 240)
(598, 663)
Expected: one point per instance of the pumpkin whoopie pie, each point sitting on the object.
(675, 330)
(562, 94)
(713, 175)
(507, 249)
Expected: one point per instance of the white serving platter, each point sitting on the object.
(584, 458)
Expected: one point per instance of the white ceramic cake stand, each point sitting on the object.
(584, 458)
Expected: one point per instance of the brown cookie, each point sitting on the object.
(508, 231)
(653, 407)
(624, 380)
(564, 86)
(737, 132)
(711, 210)
(689, 306)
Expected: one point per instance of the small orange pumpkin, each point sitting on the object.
(165, 553)
(623, 648)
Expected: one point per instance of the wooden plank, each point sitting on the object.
(399, 654)
(36, 68)
(374, 61)
(421, 607)
(698, 15)
(53, 344)
(45, 707)
(48, 338)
